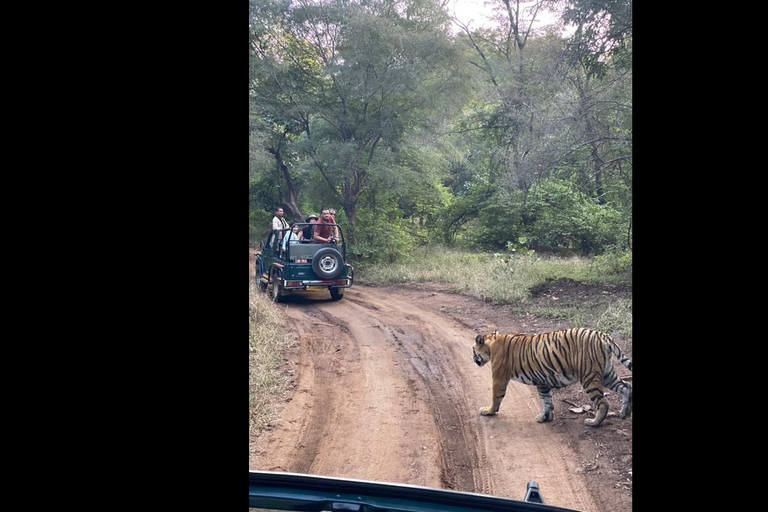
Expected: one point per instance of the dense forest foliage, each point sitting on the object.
(419, 129)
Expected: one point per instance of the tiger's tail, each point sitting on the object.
(623, 359)
(613, 382)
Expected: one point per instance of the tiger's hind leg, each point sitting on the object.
(624, 390)
(547, 409)
(593, 386)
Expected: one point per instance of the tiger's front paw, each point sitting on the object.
(545, 416)
(487, 411)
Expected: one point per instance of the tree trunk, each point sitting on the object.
(288, 193)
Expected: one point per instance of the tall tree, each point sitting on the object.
(603, 29)
(284, 75)
(600, 72)
(517, 68)
(388, 69)
(550, 110)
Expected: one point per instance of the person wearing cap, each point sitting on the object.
(308, 230)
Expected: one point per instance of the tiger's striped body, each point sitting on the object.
(555, 360)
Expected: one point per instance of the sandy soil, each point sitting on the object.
(384, 388)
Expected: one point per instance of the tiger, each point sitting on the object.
(555, 360)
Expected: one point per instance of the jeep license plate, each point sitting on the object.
(316, 287)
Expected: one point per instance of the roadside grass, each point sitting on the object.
(498, 278)
(613, 316)
(507, 278)
(267, 340)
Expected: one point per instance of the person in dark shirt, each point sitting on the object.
(309, 230)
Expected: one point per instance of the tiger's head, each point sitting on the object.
(481, 351)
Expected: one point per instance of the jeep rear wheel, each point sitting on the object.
(277, 287)
(337, 293)
(327, 263)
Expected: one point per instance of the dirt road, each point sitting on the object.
(384, 388)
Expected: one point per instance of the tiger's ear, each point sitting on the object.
(479, 339)
(495, 332)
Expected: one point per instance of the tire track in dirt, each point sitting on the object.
(366, 417)
(457, 456)
(461, 451)
(317, 376)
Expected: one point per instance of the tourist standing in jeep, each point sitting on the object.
(326, 229)
(278, 222)
(310, 230)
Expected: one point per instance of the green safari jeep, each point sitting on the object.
(304, 265)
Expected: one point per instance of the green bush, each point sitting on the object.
(564, 220)
(386, 237)
(614, 262)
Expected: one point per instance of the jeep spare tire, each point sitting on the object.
(327, 263)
